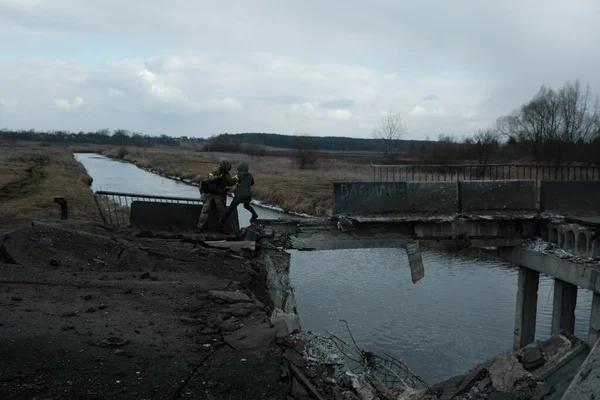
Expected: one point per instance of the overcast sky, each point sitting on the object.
(324, 67)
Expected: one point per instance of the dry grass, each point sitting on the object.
(278, 180)
(31, 176)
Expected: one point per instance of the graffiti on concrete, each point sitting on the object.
(361, 190)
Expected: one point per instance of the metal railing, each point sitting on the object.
(462, 172)
(115, 207)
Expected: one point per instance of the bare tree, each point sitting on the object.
(389, 134)
(305, 151)
(553, 124)
(485, 143)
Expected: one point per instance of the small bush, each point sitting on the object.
(122, 153)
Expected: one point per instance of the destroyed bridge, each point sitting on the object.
(550, 227)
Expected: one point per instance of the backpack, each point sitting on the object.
(211, 186)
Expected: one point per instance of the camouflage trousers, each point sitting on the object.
(210, 202)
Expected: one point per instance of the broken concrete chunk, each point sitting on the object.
(532, 358)
(230, 297)
(505, 372)
(285, 323)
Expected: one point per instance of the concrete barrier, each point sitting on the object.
(433, 197)
(482, 196)
(394, 197)
(570, 197)
(166, 216)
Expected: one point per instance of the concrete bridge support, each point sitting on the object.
(563, 307)
(525, 316)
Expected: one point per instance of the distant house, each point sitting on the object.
(185, 138)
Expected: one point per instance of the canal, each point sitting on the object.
(461, 313)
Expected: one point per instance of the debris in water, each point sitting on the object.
(415, 262)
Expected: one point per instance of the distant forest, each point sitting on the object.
(225, 142)
(332, 143)
(120, 137)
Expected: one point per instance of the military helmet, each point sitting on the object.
(225, 165)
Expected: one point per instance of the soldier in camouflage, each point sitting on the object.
(213, 192)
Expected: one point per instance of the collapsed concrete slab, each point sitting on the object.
(513, 376)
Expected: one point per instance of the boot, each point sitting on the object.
(254, 218)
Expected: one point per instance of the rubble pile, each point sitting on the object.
(314, 368)
(519, 375)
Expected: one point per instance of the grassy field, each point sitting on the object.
(31, 176)
(278, 180)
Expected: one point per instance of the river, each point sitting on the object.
(461, 313)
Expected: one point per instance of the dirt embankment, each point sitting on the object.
(90, 313)
(31, 177)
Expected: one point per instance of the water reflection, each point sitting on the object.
(461, 313)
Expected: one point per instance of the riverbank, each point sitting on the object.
(31, 176)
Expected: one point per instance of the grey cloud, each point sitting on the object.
(430, 97)
(286, 100)
(505, 55)
(338, 104)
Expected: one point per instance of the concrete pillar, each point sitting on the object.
(594, 334)
(525, 317)
(563, 307)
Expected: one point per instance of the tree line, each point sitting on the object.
(118, 137)
(555, 127)
(236, 142)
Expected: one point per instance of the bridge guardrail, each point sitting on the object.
(115, 207)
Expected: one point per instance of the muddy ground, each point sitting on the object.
(88, 313)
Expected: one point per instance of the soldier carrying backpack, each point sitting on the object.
(213, 192)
